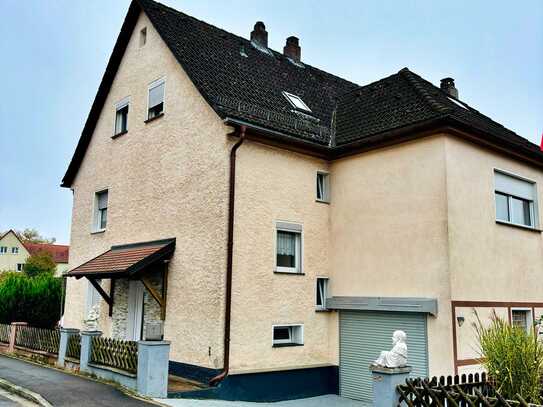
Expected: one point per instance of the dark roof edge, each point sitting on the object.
(143, 244)
(103, 91)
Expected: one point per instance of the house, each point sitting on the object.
(14, 252)
(282, 222)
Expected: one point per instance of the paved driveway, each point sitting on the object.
(322, 401)
(63, 389)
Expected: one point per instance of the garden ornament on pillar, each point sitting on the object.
(91, 323)
(397, 357)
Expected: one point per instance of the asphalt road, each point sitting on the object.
(62, 389)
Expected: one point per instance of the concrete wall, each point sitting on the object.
(389, 232)
(9, 261)
(167, 178)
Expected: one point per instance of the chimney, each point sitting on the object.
(447, 86)
(292, 49)
(259, 35)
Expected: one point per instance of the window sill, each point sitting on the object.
(321, 309)
(119, 134)
(286, 345)
(322, 201)
(288, 272)
(528, 228)
(154, 118)
(97, 232)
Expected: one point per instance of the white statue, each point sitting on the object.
(91, 323)
(397, 357)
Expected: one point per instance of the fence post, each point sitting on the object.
(13, 334)
(153, 361)
(86, 349)
(65, 334)
(385, 380)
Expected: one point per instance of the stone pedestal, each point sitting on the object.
(153, 361)
(65, 334)
(86, 348)
(385, 380)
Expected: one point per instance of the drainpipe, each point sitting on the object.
(229, 256)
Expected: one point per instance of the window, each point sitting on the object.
(323, 187)
(20, 266)
(14, 250)
(288, 335)
(143, 36)
(3, 249)
(121, 117)
(521, 318)
(296, 102)
(516, 201)
(289, 248)
(100, 214)
(322, 286)
(156, 99)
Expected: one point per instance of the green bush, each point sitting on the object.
(33, 300)
(512, 357)
(39, 263)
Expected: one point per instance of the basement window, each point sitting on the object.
(288, 335)
(296, 102)
(156, 99)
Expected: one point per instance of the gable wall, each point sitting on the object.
(9, 261)
(167, 178)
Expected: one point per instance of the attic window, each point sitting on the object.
(143, 36)
(457, 102)
(296, 102)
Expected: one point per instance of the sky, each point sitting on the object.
(53, 54)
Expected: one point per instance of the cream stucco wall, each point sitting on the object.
(389, 232)
(9, 260)
(167, 178)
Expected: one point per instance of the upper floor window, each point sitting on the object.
(121, 116)
(143, 36)
(156, 99)
(322, 287)
(3, 249)
(516, 200)
(323, 187)
(100, 212)
(15, 250)
(288, 248)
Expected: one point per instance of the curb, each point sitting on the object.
(25, 393)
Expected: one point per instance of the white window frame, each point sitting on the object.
(297, 228)
(534, 210)
(96, 213)
(326, 186)
(152, 85)
(118, 106)
(20, 268)
(291, 98)
(295, 338)
(324, 293)
(14, 250)
(3, 249)
(529, 317)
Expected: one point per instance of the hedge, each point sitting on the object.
(35, 300)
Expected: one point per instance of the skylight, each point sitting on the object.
(457, 102)
(296, 102)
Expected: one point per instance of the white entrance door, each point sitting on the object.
(135, 311)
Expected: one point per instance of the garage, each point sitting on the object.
(364, 334)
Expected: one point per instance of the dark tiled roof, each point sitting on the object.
(244, 83)
(121, 261)
(59, 252)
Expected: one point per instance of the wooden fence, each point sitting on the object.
(454, 391)
(115, 353)
(38, 339)
(73, 350)
(5, 331)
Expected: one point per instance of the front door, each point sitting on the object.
(135, 310)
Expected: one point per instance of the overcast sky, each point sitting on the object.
(53, 54)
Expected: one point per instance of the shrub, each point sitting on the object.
(512, 357)
(38, 263)
(34, 300)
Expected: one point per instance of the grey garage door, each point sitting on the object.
(364, 334)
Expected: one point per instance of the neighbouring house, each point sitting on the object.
(282, 222)
(14, 252)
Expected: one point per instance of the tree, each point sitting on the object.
(33, 236)
(40, 263)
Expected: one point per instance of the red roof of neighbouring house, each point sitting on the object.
(59, 252)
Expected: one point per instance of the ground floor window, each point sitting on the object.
(521, 318)
(288, 335)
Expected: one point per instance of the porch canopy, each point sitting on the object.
(132, 261)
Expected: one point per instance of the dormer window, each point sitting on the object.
(296, 102)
